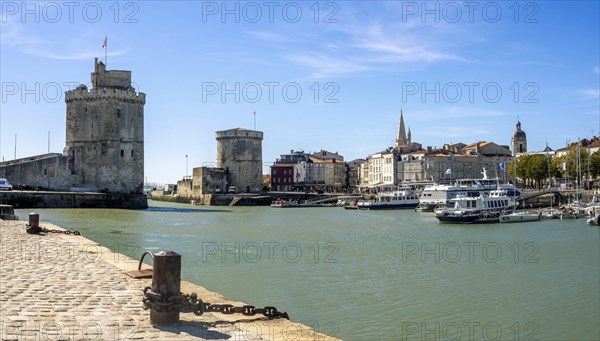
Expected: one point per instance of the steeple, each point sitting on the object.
(401, 136)
(409, 136)
(519, 140)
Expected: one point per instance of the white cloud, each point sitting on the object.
(324, 66)
(452, 113)
(589, 93)
(359, 44)
(268, 36)
(77, 55)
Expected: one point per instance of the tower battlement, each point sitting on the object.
(239, 133)
(81, 93)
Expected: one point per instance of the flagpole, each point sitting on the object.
(105, 49)
(255, 120)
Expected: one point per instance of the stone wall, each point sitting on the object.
(208, 180)
(239, 153)
(48, 171)
(27, 199)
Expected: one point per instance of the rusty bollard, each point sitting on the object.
(33, 227)
(166, 280)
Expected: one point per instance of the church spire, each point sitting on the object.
(401, 136)
(409, 137)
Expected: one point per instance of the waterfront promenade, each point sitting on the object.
(66, 287)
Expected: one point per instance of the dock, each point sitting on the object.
(56, 286)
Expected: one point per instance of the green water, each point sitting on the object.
(361, 275)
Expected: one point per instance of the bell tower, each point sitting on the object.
(519, 140)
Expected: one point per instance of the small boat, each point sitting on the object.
(594, 220)
(398, 198)
(520, 217)
(551, 213)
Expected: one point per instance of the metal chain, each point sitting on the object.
(190, 303)
(36, 230)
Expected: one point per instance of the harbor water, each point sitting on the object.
(374, 275)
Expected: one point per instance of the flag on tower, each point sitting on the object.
(104, 42)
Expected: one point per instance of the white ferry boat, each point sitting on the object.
(391, 198)
(481, 209)
(439, 196)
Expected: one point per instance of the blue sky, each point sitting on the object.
(460, 71)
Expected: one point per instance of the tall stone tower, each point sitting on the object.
(401, 139)
(239, 153)
(105, 133)
(519, 140)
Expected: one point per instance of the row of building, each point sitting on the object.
(405, 162)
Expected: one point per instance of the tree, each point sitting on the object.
(537, 168)
(572, 159)
(595, 164)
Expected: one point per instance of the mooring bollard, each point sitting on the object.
(166, 280)
(33, 227)
(34, 220)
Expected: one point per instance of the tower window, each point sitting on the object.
(132, 153)
(122, 153)
(118, 112)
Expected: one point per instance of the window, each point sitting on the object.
(118, 112)
(122, 153)
(132, 153)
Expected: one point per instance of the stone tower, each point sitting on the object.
(401, 139)
(519, 140)
(105, 133)
(239, 153)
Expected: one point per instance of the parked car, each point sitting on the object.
(5, 185)
(232, 189)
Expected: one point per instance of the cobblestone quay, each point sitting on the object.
(66, 287)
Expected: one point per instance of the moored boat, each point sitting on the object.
(481, 209)
(520, 217)
(438, 196)
(397, 198)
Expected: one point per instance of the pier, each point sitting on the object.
(56, 286)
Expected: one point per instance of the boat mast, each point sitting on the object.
(549, 178)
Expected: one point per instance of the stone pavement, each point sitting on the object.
(66, 287)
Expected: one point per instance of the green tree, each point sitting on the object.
(595, 164)
(537, 168)
(572, 158)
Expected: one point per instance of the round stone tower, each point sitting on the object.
(105, 133)
(519, 140)
(239, 153)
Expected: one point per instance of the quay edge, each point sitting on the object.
(102, 302)
(43, 199)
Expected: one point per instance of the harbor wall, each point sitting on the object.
(33, 199)
(263, 199)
